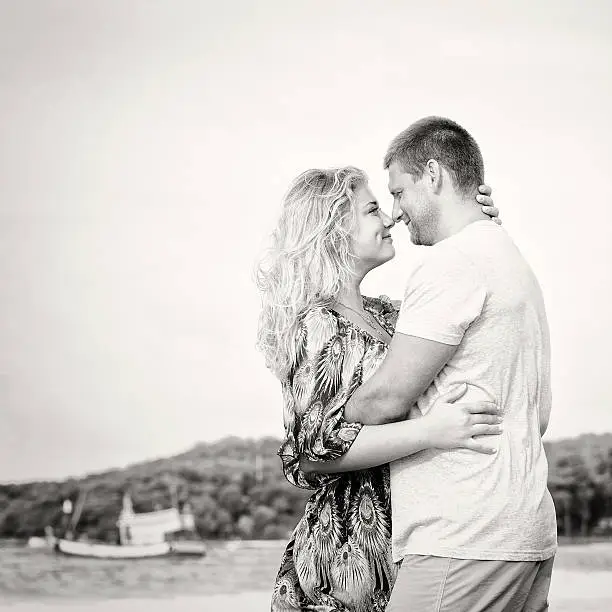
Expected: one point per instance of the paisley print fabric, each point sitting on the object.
(339, 556)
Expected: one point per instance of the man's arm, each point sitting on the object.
(444, 295)
(409, 368)
(545, 408)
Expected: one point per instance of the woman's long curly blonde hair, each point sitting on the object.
(310, 259)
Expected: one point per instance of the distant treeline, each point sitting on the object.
(236, 489)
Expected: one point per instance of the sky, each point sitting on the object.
(145, 148)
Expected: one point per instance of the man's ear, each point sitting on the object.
(433, 172)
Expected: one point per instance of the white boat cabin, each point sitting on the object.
(151, 527)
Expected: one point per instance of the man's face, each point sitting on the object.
(412, 204)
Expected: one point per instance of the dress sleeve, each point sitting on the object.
(327, 373)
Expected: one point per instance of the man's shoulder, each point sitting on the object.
(473, 245)
(448, 257)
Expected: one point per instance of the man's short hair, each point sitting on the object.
(445, 141)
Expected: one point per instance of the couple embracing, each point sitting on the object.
(419, 425)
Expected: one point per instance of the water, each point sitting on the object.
(233, 576)
(231, 567)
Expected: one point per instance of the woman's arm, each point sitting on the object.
(375, 445)
(445, 426)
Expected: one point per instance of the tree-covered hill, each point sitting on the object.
(237, 490)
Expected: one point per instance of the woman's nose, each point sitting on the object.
(387, 220)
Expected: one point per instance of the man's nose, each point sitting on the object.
(397, 212)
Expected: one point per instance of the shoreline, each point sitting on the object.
(562, 541)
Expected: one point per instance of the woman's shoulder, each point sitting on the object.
(386, 309)
(383, 304)
(317, 312)
(320, 316)
(318, 325)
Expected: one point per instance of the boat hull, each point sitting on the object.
(144, 551)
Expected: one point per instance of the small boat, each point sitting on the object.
(187, 548)
(48, 542)
(144, 535)
(97, 550)
(36, 542)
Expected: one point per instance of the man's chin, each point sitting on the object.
(415, 237)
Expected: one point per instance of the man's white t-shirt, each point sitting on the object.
(475, 290)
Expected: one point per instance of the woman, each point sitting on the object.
(322, 339)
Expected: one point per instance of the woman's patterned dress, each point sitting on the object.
(339, 556)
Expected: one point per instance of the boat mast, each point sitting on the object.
(76, 515)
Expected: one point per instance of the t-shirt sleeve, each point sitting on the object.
(444, 295)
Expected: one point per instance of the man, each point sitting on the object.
(475, 532)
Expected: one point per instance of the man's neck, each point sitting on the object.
(457, 214)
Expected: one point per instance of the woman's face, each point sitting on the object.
(371, 235)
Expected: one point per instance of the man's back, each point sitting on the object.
(460, 503)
